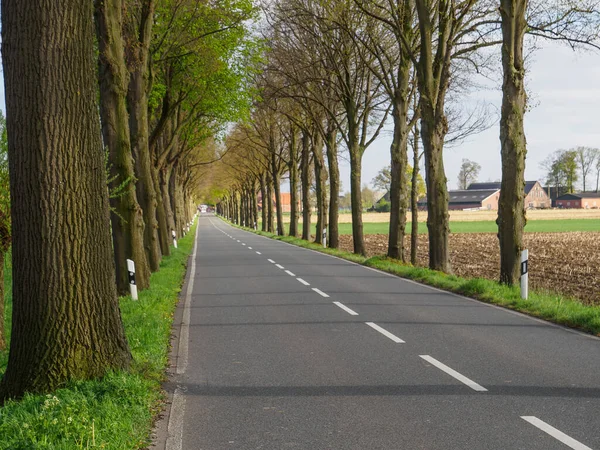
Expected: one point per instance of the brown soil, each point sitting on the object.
(560, 262)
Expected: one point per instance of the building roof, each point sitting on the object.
(496, 185)
(470, 195)
(466, 197)
(579, 195)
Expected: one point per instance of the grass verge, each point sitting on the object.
(549, 306)
(116, 412)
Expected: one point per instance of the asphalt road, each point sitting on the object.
(285, 348)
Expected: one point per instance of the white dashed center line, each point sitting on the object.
(243, 243)
(271, 261)
(305, 283)
(258, 253)
(320, 292)
(290, 273)
(345, 308)
(556, 434)
(386, 333)
(280, 266)
(453, 373)
(249, 248)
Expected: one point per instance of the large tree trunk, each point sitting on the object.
(334, 187)
(356, 197)
(269, 199)
(164, 238)
(263, 195)
(399, 160)
(414, 199)
(165, 177)
(305, 178)
(2, 331)
(320, 177)
(438, 219)
(277, 192)
(254, 207)
(66, 319)
(293, 168)
(433, 78)
(511, 207)
(127, 216)
(138, 34)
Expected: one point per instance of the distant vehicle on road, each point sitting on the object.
(203, 208)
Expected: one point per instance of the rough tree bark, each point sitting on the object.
(263, 196)
(320, 177)
(277, 193)
(66, 318)
(334, 185)
(399, 161)
(305, 178)
(355, 189)
(511, 207)
(293, 168)
(269, 200)
(414, 199)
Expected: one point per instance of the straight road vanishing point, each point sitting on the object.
(285, 348)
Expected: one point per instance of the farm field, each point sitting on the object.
(560, 262)
(533, 226)
(476, 216)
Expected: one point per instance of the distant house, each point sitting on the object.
(470, 199)
(535, 195)
(286, 202)
(585, 200)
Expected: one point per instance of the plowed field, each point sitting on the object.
(562, 262)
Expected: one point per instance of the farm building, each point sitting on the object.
(470, 199)
(486, 196)
(535, 195)
(585, 200)
(286, 202)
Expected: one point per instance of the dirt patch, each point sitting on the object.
(560, 262)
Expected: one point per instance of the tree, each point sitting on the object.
(586, 157)
(368, 197)
(127, 222)
(5, 226)
(383, 179)
(573, 22)
(469, 171)
(66, 318)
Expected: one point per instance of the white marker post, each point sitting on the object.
(324, 237)
(524, 275)
(254, 226)
(132, 285)
(174, 238)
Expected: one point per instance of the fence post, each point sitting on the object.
(174, 238)
(324, 237)
(132, 285)
(524, 275)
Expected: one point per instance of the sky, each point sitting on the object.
(564, 90)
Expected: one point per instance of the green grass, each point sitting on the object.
(533, 226)
(545, 305)
(117, 411)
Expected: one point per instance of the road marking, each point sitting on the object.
(184, 337)
(249, 248)
(258, 253)
(271, 261)
(175, 425)
(453, 373)
(556, 434)
(243, 243)
(238, 240)
(320, 292)
(345, 308)
(386, 333)
(305, 283)
(290, 273)
(280, 266)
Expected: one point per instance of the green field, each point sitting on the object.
(533, 226)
